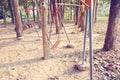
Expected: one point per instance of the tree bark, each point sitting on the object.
(49, 12)
(18, 22)
(62, 10)
(111, 35)
(11, 10)
(76, 15)
(33, 10)
(81, 18)
(71, 8)
(38, 13)
(95, 6)
(4, 17)
(55, 17)
(21, 17)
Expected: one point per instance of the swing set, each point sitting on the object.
(29, 24)
(88, 16)
(61, 24)
(88, 7)
(57, 6)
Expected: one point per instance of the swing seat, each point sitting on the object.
(25, 27)
(28, 26)
(56, 44)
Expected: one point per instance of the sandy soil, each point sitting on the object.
(22, 59)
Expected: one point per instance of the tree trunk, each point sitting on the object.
(18, 22)
(60, 15)
(96, 11)
(71, 15)
(21, 17)
(95, 5)
(111, 35)
(62, 10)
(11, 10)
(4, 17)
(38, 13)
(81, 18)
(55, 17)
(76, 15)
(33, 4)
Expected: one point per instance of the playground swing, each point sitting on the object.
(77, 66)
(30, 25)
(53, 46)
(61, 23)
(85, 32)
(57, 42)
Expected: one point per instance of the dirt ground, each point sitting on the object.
(22, 59)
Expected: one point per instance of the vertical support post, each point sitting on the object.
(91, 48)
(85, 33)
(44, 32)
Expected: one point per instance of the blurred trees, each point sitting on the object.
(67, 12)
(11, 10)
(3, 10)
(6, 7)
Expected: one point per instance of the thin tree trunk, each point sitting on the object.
(33, 10)
(11, 10)
(71, 15)
(55, 18)
(4, 15)
(60, 14)
(76, 15)
(96, 11)
(38, 13)
(111, 35)
(81, 18)
(62, 11)
(95, 5)
(49, 12)
(21, 17)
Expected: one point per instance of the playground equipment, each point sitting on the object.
(28, 25)
(89, 9)
(61, 24)
(57, 42)
(78, 66)
(45, 42)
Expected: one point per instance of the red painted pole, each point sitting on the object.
(89, 2)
